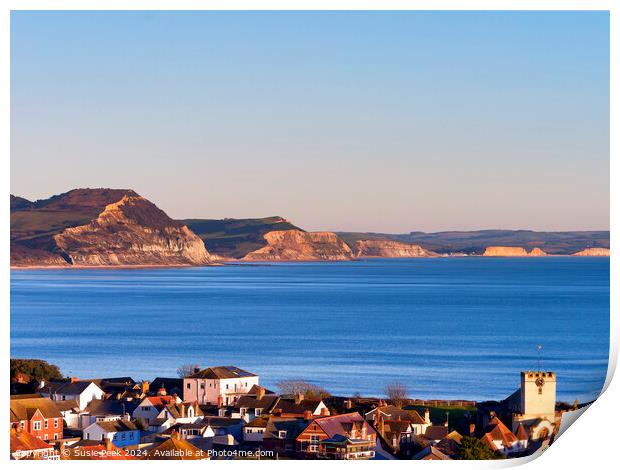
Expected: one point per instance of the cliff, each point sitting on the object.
(475, 242)
(235, 238)
(593, 252)
(389, 249)
(512, 251)
(101, 227)
(297, 245)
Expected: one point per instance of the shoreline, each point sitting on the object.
(268, 262)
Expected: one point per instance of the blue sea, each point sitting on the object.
(449, 328)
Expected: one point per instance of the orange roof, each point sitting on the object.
(161, 400)
(497, 431)
(24, 441)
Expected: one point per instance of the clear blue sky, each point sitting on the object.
(371, 121)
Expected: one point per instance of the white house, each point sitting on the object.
(221, 386)
(82, 391)
(121, 432)
(150, 408)
(175, 413)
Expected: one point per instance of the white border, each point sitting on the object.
(589, 443)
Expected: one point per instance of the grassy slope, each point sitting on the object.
(235, 237)
(33, 224)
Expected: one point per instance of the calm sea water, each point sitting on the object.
(448, 328)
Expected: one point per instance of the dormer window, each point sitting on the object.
(243, 411)
(282, 434)
(258, 411)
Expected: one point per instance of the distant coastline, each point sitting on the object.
(118, 228)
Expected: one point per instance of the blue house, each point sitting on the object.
(122, 433)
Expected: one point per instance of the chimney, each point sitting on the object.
(324, 412)
(145, 386)
(161, 391)
(427, 416)
(182, 410)
(348, 404)
(308, 414)
(195, 408)
(299, 397)
(108, 444)
(196, 369)
(74, 379)
(260, 393)
(472, 429)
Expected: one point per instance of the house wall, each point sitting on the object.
(308, 440)
(119, 439)
(145, 412)
(216, 391)
(253, 434)
(43, 428)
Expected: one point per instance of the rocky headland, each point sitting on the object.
(100, 227)
(390, 249)
(297, 245)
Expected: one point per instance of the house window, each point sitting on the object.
(188, 386)
(55, 436)
(55, 422)
(258, 411)
(131, 435)
(22, 424)
(282, 434)
(202, 386)
(243, 411)
(87, 435)
(36, 425)
(45, 424)
(45, 437)
(226, 386)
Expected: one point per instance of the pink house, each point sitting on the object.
(222, 385)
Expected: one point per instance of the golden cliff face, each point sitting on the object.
(295, 245)
(132, 231)
(512, 251)
(593, 252)
(390, 249)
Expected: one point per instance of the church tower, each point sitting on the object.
(538, 395)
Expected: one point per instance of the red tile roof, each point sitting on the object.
(24, 441)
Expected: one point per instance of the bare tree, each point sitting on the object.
(397, 393)
(291, 387)
(186, 370)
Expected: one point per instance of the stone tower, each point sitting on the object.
(538, 395)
